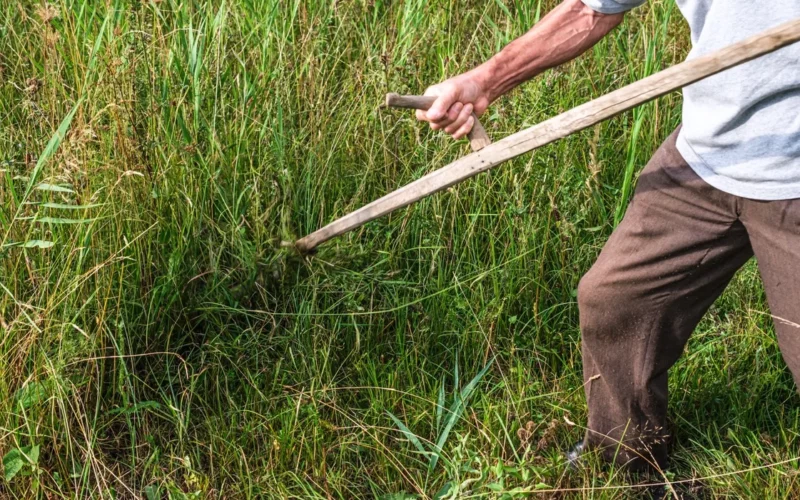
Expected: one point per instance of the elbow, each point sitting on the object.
(600, 17)
(588, 13)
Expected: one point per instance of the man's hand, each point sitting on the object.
(456, 99)
(563, 34)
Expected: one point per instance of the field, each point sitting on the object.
(159, 341)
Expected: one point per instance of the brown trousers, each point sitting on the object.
(679, 245)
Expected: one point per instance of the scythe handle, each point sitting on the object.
(569, 122)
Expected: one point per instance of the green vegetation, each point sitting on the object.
(157, 340)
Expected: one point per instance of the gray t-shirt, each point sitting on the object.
(741, 127)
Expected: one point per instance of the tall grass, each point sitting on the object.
(158, 340)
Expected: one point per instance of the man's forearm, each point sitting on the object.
(563, 34)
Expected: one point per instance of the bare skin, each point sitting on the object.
(562, 35)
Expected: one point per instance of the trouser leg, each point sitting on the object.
(677, 248)
(774, 230)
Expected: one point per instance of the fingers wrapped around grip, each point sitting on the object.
(463, 116)
(448, 118)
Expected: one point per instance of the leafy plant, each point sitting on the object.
(23, 461)
(451, 416)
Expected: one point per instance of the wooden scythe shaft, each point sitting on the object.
(560, 126)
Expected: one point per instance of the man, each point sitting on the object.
(723, 187)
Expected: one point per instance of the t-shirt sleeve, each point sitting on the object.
(612, 6)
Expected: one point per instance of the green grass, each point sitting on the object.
(158, 340)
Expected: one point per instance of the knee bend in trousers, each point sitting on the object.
(604, 305)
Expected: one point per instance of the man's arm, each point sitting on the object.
(562, 35)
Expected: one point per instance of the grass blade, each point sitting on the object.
(38, 244)
(440, 406)
(408, 434)
(52, 146)
(53, 187)
(66, 206)
(456, 410)
(62, 220)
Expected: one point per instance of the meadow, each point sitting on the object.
(158, 340)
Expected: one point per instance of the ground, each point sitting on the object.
(159, 341)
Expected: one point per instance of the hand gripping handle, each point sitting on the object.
(478, 138)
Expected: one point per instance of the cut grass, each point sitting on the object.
(167, 345)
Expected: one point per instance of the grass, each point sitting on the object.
(158, 341)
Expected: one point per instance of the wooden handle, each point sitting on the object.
(579, 118)
(478, 138)
(394, 100)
